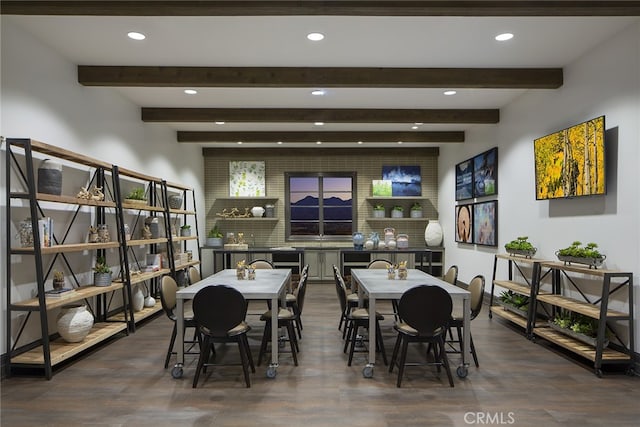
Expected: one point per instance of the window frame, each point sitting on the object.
(319, 176)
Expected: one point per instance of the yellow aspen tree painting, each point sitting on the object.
(571, 162)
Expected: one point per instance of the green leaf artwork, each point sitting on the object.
(247, 179)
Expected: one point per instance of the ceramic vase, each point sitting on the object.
(175, 201)
(149, 301)
(358, 240)
(50, 177)
(257, 211)
(137, 299)
(433, 233)
(74, 322)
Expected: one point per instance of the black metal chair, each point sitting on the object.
(425, 312)
(219, 311)
(476, 288)
(351, 300)
(168, 290)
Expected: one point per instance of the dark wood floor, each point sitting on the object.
(518, 383)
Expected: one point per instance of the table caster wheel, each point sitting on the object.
(271, 372)
(176, 372)
(462, 371)
(599, 373)
(367, 371)
(490, 315)
(631, 372)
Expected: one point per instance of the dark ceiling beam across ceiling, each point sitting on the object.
(328, 115)
(270, 136)
(145, 76)
(326, 8)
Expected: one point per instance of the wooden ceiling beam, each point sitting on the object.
(298, 77)
(324, 8)
(259, 136)
(327, 115)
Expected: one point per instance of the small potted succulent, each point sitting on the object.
(136, 196)
(397, 211)
(521, 246)
(101, 272)
(215, 238)
(58, 279)
(416, 210)
(185, 230)
(378, 210)
(587, 254)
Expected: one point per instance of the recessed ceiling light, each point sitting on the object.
(279, 142)
(239, 142)
(418, 123)
(504, 37)
(190, 91)
(414, 127)
(134, 35)
(318, 92)
(399, 142)
(315, 36)
(219, 123)
(359, 142)
(319, 123)
(449, 92)
(318, 142)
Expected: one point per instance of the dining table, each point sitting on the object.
(269, 284)
(376, 285)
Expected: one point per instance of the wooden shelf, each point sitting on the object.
(516, 287)
(142, 277)
(519, 259)
(500, 311)
(583, 269)
(397, 219)
(78, 294)
(142, 242)
(72, 247)
(137, 207)
(140, 315)
(62, 350)
(580, 307)
(181, 212)
(578, 347)
(187, 265)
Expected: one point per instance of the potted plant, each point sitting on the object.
(136, 196)
(58, 279)
(577, 326)
(175, 201)
(378, 210)
(587, 254)
(397, 211)
(416, 210)
(514, 302)
(521, 246)
(185, 230)
(101, 272)
(214, 238)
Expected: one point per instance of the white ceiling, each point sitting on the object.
(247, 41)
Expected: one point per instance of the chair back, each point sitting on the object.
(194, 275)
(218, 309)
(451, 276)
(301, 292)
(426, 309)
(168, 290)
(380, 263)
(261, 264)
(341, 289)
(476, 288)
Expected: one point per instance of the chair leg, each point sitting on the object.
(245, 361)
(346, 334)
(380, 343)
(352, 340)
(172, 341)
(394, 355)
(266, 336)
(403, 359)
(249, 356)
(292, 342)
(204, 354)
(473, 351)
(445, 361)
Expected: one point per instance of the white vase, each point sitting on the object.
(149, 301)
(433, 233)
(257, 211)
(74, 322)
(137, 299)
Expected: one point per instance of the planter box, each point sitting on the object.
(514, 309)
(591, 262)
(592, 341)
(521, 252)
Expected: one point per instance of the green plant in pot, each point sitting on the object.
(520, 246)
(185, 230)
(101, 272)
(397, 211)
(511, 299)
(136, 195)
(378, 210)
(214, 237)
(58, 279)
(416, 210)
(587, 254)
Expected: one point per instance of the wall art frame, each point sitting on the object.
(485, 223)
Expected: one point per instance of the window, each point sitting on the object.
(320, 205)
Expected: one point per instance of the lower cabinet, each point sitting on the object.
(321, 263)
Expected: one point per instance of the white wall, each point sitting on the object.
(41, 99)
(605, 81)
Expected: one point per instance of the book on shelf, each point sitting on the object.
(45, 229)
(59, 293)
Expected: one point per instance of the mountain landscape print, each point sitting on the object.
(405, 180)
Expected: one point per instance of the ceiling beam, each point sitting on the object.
(325, 8)
(144, 76)
(328, 115)
(259, 136)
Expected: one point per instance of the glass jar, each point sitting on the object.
(25, 233)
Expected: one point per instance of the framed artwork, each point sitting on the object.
(381, 188)
(464, 223)
(485, 223)
(405, 180)
(247, 179)
(464, 180)
(485, 173)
